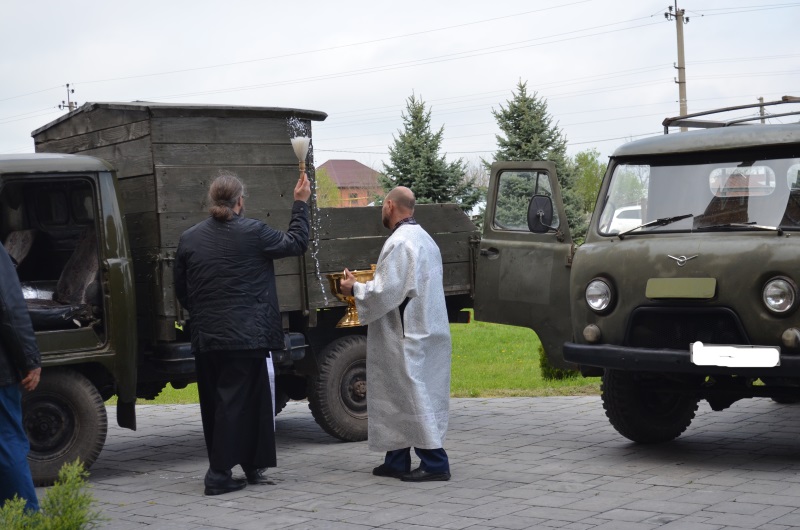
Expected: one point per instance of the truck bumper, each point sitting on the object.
(666, 361)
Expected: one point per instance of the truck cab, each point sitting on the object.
(60, 223)
(697, 300)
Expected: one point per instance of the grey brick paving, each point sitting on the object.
(517, 463)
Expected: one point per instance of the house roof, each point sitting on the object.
(351, 174)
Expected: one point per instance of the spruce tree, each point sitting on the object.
(415, 162)
(529, 133)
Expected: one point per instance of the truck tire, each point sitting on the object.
(786, 400)
(641, 415)
(65, 419)
(281, 399)
(338, 397)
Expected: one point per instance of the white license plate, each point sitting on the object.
(734, 356)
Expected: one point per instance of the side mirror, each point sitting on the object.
(540, 214)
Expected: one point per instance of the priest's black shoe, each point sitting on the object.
(420, 475)
(385, 471)
(220, 482)
(258, 477)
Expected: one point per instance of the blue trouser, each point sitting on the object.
(15, 475)
(431, 460)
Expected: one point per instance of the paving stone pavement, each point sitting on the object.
(517, 463)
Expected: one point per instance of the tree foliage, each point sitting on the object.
(415, 162)
(327, 192)
(589, 172)
(630, 184)
(529, 133)
(514, 192)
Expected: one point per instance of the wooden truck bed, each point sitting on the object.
(166, 156)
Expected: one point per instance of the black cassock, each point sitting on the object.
(236, 408)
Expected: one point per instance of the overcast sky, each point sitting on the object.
(605, 67)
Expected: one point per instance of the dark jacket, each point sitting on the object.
(19, 352)
(224, 276)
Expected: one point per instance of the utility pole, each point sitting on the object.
(761, 109)
(680, 20)
(69, 104)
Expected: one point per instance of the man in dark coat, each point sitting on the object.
(224, 276)
(20, 365)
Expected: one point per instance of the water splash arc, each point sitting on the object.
(303, 147)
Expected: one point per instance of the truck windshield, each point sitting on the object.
(733, 194)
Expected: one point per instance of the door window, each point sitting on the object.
(514, 192)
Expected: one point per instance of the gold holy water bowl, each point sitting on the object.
(350, 318)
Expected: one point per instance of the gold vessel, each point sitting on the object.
(350, 318)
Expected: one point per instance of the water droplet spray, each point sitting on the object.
(304, 150)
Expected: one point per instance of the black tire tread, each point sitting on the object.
(281, 399)
(87, 445)
(622, 401)
(324, 412)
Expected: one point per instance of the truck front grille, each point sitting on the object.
(678, 327)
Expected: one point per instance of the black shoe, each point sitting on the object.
(220, 482)
(420, 475)
(385, 471)
(258, 477)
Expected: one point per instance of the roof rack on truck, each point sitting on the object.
(690, 121)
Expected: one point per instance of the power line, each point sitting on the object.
(24, 114)
(318, 50)
(338, 114)
(744, 9)
(654, 133)
(570, 143)
(373, 41)
(408, 64)
(432, 60)
(32, 93)
(760, 6)
(744, 59)
(29, 116)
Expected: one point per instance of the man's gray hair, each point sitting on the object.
(223, 194)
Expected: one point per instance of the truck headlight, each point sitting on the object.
(598, 295)
(779, 295)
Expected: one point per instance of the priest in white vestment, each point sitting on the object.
(408, 347)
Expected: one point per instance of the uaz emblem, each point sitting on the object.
(681, 260)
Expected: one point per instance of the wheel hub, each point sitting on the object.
(49, 426)
(359, 389)
(354, 389)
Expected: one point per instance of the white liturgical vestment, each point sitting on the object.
(408, 355)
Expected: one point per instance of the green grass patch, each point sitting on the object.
(489, 360)
(493, 360)
(169, 396)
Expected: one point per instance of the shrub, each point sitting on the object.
(67, 505)
(550, 372)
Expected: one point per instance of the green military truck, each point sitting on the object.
(687, 285)
(95, 238)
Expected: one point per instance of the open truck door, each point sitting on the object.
(523, 267)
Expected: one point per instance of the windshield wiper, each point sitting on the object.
(751, 225)
(663, 221)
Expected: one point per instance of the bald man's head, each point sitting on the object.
(397, 205)
(403, 198)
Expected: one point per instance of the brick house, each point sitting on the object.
(358, 184)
